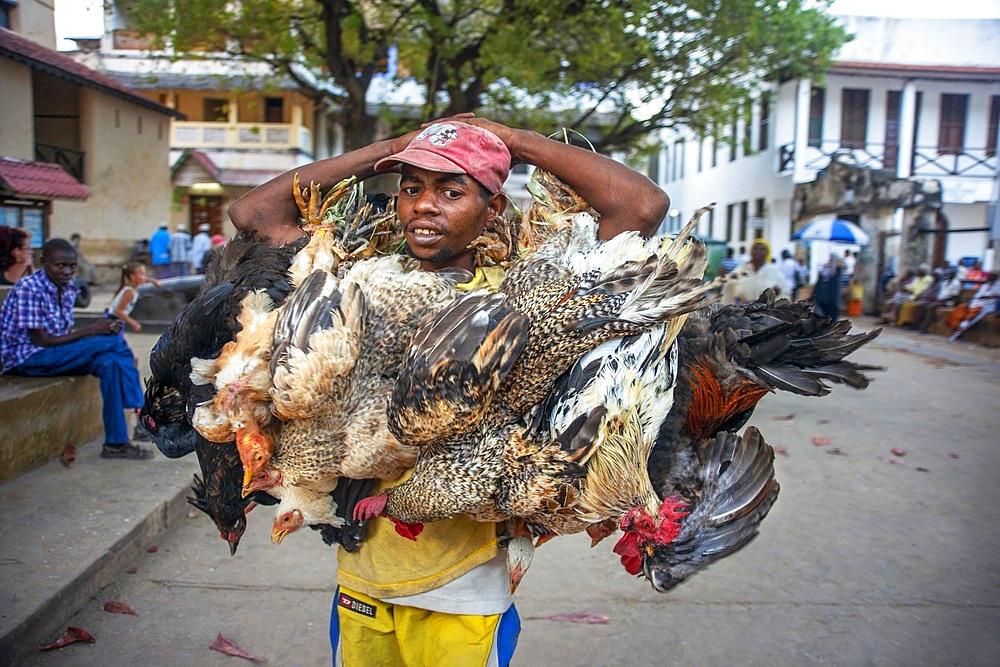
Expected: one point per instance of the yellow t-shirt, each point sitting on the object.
(389, 566)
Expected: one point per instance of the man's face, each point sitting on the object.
(60, 266)
(441, 215)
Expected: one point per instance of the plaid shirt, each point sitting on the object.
(33, 303)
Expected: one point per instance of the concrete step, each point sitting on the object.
(76, 529)
(40, 417)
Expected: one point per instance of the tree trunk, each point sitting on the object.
(359, 127)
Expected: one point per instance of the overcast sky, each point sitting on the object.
(82, 18)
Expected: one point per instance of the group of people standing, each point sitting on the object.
(748, 277)
(178, 253)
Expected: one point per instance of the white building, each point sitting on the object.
(907, 98)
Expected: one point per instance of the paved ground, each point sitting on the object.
(868, 557)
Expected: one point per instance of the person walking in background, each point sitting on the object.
(37, 339)
(728, 263)
(754, 276)
(180, 251)
(159, 251)
(793, 273)
(15, 254)
(200, 244)
(849, 262)
(122, 305)
(826, 293)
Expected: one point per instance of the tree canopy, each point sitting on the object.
(621, 68)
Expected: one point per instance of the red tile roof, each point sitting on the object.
(230, 177)
(39, 58)
(38, 180)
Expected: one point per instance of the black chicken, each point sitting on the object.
(245, 263)
(217, 491)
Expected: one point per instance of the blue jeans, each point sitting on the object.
(107, 357)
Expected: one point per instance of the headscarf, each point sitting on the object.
(830, 268)
(767, 248)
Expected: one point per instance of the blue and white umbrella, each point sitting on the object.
(836, 230)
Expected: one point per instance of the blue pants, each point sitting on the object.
(107, 357)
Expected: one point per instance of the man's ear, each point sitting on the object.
(496, 206)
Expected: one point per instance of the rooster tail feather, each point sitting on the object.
(742, 469)
(739, 491)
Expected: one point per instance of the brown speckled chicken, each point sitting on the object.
(481, 365)
(336, 367)
(344, 227)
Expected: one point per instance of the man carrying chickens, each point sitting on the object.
(445, 599)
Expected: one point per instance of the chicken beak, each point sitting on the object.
(247, 478)
(246, 492)
(649, 549)
(277, 535)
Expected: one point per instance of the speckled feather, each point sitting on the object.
(566, 317)
(345, 432)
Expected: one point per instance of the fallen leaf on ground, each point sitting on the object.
(836, 451)
(193, 514)
(132, 570)
(823, 420)
(588, 617)
(821, 440)
(778, 449)
(922, 469)
(953, 455)
(886, 459)
(152, 550)
(116, 607)
(68, 456)
(784, 418)
(223, 645)
(898, 451)
(71, 635)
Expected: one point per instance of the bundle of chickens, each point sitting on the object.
(598, 389)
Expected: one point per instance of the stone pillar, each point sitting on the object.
(803, 95)
(907, 122)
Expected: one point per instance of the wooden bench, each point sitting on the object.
(40, 417)
(985, 332)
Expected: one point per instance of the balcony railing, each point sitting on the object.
(256, 136)
(927, 161)
(67, 158)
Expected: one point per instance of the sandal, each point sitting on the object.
(125, 451)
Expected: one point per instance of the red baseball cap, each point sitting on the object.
(456, 148)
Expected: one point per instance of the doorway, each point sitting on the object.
(206, 209)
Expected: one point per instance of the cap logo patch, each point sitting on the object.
(439, 134)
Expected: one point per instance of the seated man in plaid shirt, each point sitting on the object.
(37, 339)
